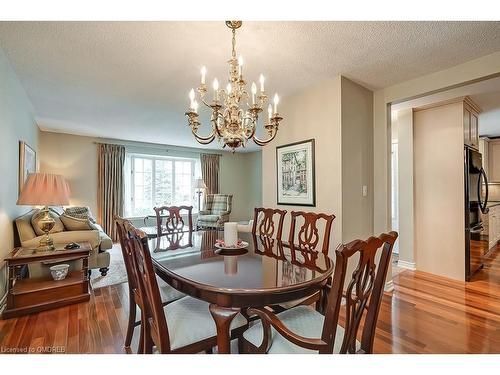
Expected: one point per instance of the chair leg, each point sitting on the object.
(148, 342)
(210, 351)
(140, 348)
(131, 321)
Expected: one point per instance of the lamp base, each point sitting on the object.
(46, 223)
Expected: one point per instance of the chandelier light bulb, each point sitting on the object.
(254, 91)
(261, 80)
(191, 94)
(195, 106)
(203, 74)
(276, 101)
(228, 88)
(215, 85)
(270, 111)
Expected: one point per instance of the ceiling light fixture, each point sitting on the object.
(232, 125)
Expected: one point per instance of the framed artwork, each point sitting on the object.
(295, 173)
(27, 163)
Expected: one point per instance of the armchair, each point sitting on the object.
(216, 211)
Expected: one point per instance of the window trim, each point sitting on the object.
(153, 159)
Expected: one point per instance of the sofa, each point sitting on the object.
(98, 239)
(216, 211)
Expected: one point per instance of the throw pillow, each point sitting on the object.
(73, 223)
(37, 216)
(80, 213)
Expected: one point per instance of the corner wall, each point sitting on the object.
(16, 123)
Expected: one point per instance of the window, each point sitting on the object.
(159, 181)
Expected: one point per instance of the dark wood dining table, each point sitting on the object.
(266, 273)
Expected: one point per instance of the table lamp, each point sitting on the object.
(45, 189)
(200, 185)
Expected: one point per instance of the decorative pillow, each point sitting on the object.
(73, 223)
(37, 216)
(80, 213)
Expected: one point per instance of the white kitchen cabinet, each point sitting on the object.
(484, 150)
(471, 123)
(494, 160)
(494, 226)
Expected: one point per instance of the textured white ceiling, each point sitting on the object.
(130, 80)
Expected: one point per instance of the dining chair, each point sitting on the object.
(304, 330)
(264, 222)
(168, 294)
(308, 239)
(169, 219)
(182, 326)
(308, 236)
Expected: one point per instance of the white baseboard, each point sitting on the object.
(389, 286)
(407, 265)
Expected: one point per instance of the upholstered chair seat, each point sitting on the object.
(302, 320)
(189, 321)
(168, 293)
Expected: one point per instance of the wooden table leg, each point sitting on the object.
(223, 316)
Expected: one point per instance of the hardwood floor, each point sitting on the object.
(424, 314)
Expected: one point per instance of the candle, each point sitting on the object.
(195, 106)
(276, 101)
(240, 66)
(261, 80)
(203, 74)
(216, 89)
(254, 91)
(230, 233)
(228, 88)
(191, 98)
(270, 111)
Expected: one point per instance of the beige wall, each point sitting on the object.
(312, 113)
(357, 159)
(457, 75)
(75, 157)
(16, 123)
(439, 190)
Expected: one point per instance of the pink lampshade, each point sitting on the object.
(44, 189)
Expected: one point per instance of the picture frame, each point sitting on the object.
(295, 174)
(27, 163)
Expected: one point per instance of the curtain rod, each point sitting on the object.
(158, 146)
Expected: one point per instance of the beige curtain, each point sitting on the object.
(210, 172)
(111, 159)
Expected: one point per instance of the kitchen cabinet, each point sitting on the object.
(484, 144)
(494, 160)
(471, 123)
(493, 225)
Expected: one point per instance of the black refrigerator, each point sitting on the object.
(476, 202)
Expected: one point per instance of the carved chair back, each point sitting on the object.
(153, 323)
(308, 236)
(363, 294)
(169, 219)
(264, 222)
(123, 226)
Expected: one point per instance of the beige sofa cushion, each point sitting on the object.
(66, 237)
(24, 228)
(37, 216)
(73, 223)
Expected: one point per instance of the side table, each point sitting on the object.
(30, 295)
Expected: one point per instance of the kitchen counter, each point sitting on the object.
(492, 203)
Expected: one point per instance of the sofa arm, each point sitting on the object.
(91, 236)
(204, 212)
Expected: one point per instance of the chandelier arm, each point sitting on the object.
(215, 122)
(204, 140)
(260, 142)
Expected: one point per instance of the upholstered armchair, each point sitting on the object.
(216, 211)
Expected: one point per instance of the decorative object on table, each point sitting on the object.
(230, 234)
(230, 265)
(216, 211)
(295, 174)
(44, 189)
(59, 271)
(199, 186)
(231, 123)
(72, 245)
(27, 163)
(240, 244)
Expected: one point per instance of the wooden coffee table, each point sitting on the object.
(30, 295)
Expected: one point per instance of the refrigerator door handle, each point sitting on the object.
(482, 205)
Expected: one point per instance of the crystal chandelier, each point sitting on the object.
(231, 124)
